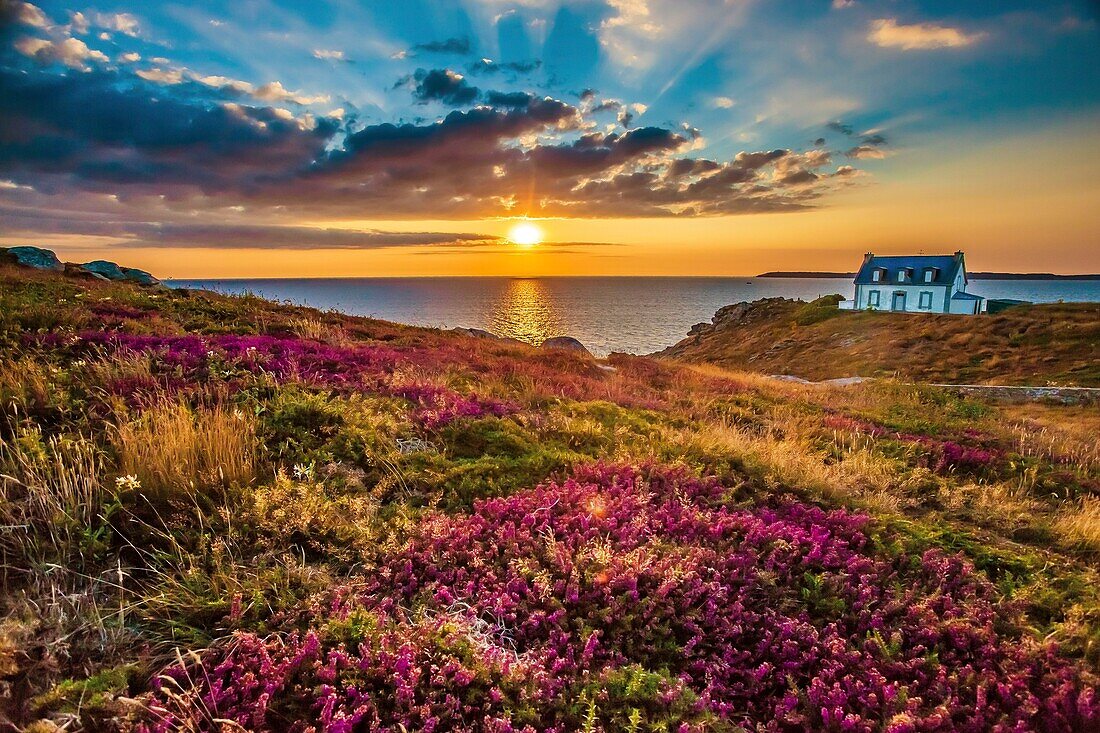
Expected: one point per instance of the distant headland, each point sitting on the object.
(972, 275)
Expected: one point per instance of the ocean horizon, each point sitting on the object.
(631, 314)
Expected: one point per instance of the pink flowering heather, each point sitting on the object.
(438, 406)
(977, 454)
(624, 596)
(183, 361)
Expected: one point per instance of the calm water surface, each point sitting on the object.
(631, 314)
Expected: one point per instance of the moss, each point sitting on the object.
(95, 697)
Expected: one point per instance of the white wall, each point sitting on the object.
(912, 297)
(965, 307)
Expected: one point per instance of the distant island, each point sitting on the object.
(972, 275)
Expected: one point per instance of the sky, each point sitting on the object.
(270, 138)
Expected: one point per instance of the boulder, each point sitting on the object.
(141, 277)
(36, 257)
(79, 271)
(481, 333)
(476, 333)
(112, 271)
(568, 343)
(105, 269)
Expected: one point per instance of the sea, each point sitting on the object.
(637, 315)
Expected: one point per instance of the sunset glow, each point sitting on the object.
(659, 136)
(525, 234)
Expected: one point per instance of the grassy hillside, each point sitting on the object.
(221, 513)
(1035, 345)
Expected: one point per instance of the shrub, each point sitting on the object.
(627, 597)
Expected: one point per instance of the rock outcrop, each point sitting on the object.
(112, 271)
(44, 259)
(81, 273)
(36, 257)
(567, 343)
(479, 333)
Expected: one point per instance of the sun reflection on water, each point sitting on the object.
(525, 311)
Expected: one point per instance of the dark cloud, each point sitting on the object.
(90, 128)
(488, 66)
(753, 161)
(840, 127)
(819, 142)
(117, 148)
(444, 85)
(135, 234)
(865, 152)
(508, 99)
(457, 46)
(875, 139)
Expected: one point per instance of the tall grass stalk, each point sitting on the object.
(173, 450)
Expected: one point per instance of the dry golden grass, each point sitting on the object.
(49, 494)
(1064, 434)
(310, 328)
(172, 449)
(1029, 345)
(23, 383)
(116, 366)
(1080, 526)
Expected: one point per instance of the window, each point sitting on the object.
(926, 299)
(905, 274)
(876, 276)
(930, 275)
(872, 299)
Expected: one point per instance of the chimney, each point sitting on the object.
(867, 257)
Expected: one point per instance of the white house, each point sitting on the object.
(914, 284)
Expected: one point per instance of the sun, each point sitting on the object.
(525, 234)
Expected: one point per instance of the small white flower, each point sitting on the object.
(127, 483)
(303, 472)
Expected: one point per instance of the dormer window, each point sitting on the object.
(905, 275)
(930, 274)
(876, 275)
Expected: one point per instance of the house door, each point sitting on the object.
(899, 302)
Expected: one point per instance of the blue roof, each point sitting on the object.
(966, 296)
(948, 266)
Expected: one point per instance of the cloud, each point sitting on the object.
(24, 13)
(189, 234)
(841, 4)
(129, 58)
(328, 55)
(443, 85)
(125, 23)
(887, 33)
(457, 46)
(628, 111)
(626, 34)
(161, 76)
(71, 52)
(126, 148)
(259, 236)
(866, 152)
(488, 66)
(722, 103)
(275, 92)
(508, 99)
(838, 126)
